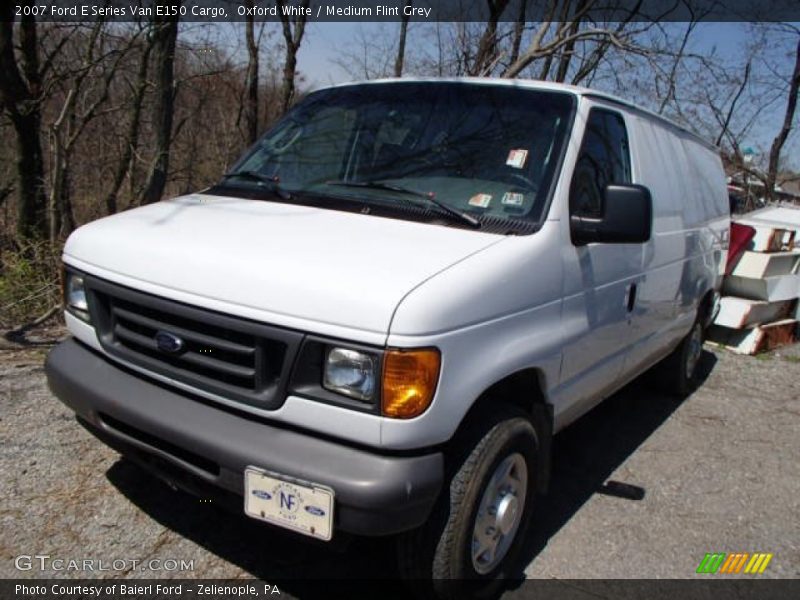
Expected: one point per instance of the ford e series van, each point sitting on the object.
(376, 321)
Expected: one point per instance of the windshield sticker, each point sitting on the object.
(513, 199)
(481, 200)
(517, 158)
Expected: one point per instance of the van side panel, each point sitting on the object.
(662, 168)
(685, 257)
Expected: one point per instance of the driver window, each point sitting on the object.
(604, 158)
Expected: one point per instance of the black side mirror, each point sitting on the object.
(627, 217)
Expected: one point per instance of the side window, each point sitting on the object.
(604, 158)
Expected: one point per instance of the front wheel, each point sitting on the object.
(473, 539)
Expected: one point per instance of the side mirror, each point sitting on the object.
(627, 217)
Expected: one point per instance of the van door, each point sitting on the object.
(600, 279)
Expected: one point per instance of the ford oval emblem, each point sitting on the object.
(315, 510)
(262, 494)
(169, 342)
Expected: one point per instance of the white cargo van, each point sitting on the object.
(377, 319)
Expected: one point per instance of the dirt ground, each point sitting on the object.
(642, 487)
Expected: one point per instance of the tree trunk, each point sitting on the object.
(5, 192)
(487, 47)
(32, 203)
(251, 105)
(566, 6)
(519, 29)
(56, 182)
(566, 53)
(19, 96)
(67, 214)
(786, 128)
(131, 141)
(401, 46)
(58, 168)
(165, 35)
(292, 36)
(289, 69)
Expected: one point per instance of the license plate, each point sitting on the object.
(298, 505)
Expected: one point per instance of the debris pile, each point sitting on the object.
(759, 306)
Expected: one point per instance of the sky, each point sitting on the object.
(324, 40)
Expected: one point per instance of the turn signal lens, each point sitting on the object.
(409, 381)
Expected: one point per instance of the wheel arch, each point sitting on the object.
(523, 390)
(707, 307)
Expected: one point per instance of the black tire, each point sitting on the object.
(437, 559)
(678, 372)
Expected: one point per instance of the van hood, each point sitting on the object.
(278, 262)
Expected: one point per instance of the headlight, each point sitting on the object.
(75, 296)
(350, 372)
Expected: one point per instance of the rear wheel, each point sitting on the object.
(678, 372)
(473, 539)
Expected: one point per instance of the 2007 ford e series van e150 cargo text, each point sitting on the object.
(378, 318)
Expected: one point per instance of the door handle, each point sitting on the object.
(631, 297)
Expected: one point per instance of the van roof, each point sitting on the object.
(534, 84)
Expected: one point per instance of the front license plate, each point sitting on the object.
(298, 505)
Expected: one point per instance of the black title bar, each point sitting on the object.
(416, 10)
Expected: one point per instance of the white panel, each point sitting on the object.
(737, 313)
(761, 264)
(773, 289)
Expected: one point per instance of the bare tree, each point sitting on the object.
(165, 35)
(786, 126)
(130, 142)
(84, 78)
(559, 38)
(401, 43)
(725, 122)
(487, 53)
(622, 38)
(20, 97)
(564, 13)
(726, 101)
(251, 78)
(293, 30)
(519, 29)
(569, 44)
(373, 54)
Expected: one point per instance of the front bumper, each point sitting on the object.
(191, 441)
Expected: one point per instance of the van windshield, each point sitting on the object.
(489, 152)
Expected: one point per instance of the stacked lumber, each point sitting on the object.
(759, 306)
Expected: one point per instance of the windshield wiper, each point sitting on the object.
(428, 196)
(272, 182)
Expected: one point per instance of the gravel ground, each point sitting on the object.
(719, 472)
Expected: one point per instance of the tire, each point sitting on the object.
(443, 558)
(678, 372)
